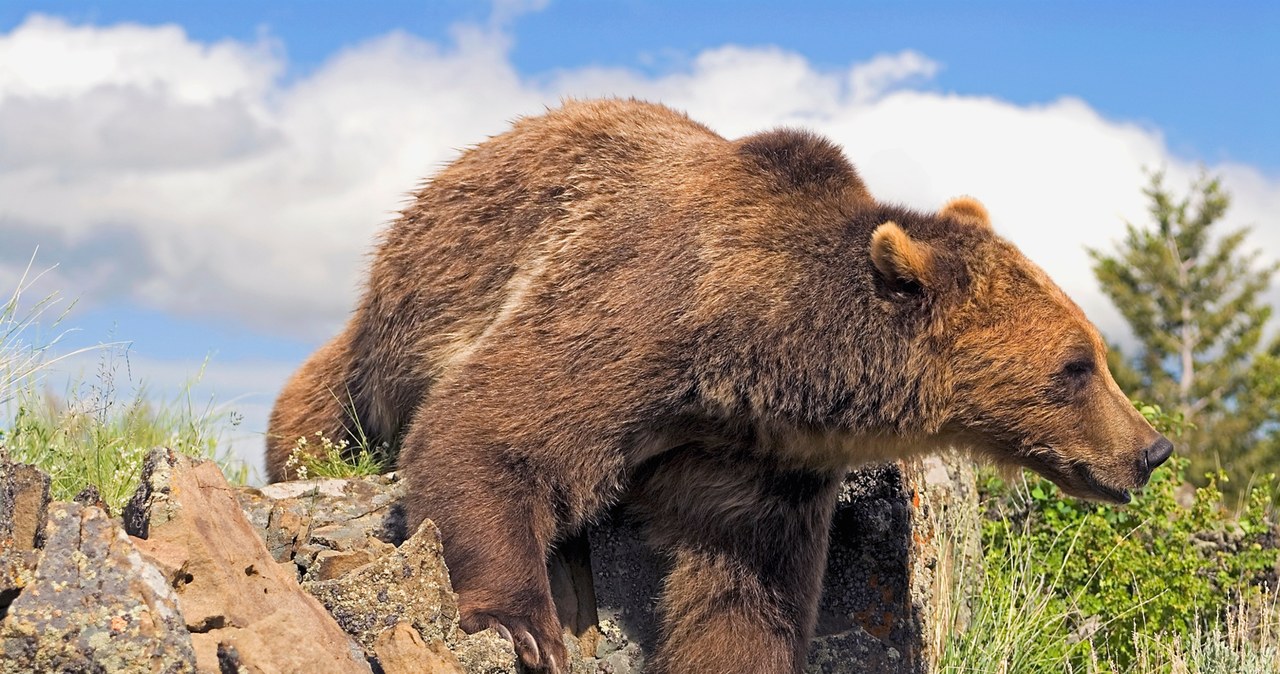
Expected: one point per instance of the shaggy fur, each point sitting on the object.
(611, 296)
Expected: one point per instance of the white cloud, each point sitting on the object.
(869, 81)
(47, 57)
(191, 178)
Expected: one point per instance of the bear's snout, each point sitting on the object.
(1155, 454)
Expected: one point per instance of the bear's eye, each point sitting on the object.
(1077, 371)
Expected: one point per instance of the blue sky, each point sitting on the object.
(212, 189)
(1206, 74)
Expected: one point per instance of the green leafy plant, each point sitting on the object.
(1172, 563)
(321, 456)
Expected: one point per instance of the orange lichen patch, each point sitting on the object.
(118, 623)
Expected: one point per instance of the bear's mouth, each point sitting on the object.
(1109, 493)
(1074, 479)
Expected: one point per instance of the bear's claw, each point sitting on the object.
(535, 650)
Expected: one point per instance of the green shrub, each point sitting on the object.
(1122, 576)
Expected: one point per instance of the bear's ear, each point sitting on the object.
(967, 209)
(903, 260)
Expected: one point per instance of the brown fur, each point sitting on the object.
(315, 401)
(611, 296)
(966, 208)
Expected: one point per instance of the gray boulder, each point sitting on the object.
(95, 605)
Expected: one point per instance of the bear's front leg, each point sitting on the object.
(748, 542)
(504, 465)
(496, 520)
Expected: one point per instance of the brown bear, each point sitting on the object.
(613, 297)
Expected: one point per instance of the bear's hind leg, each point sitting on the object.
(313, 401)
(748, 543)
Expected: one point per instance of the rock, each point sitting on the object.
(94, 605)
(331, 564)
(235, 599)
(615, 652)
(627, 576)
(328, 527)
(401, 650)
(17, 571)
(90, 496)
(886, 593)
(24, 500)
(951, 506)
(229, 659)
(486, 652)
(283, 525)
(573, 590)
(305, 522)
(866, 621)
(886, 599)
(887, 590)
(408, 586)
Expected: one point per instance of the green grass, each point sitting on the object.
(22, 362)
(1076, 589)
(93, 434)
(320, 456)
(97, 437)
(1018, 627)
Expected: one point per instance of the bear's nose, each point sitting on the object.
(1157, 453)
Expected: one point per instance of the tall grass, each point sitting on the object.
(22, 361)
(99, 436)
(99, 430)
(1013, 617)
(1018, 622)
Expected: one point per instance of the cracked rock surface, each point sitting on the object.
(232, 593)
(321, 576)
(94, 605)
(409, 585)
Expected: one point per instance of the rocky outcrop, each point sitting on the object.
(408, 585)
(886, 593)
(94, 605)
(24, 500)
(347, 542)
(234, 597)
(328, 527)
(321, 576)
(401, 650)
(873, 610)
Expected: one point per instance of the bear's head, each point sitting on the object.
(1024, 372)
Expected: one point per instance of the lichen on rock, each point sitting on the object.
(95, 605)
(409, 585)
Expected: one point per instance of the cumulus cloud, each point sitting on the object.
(870, 80)
(192, 178)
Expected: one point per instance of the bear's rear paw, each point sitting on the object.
(537, 642)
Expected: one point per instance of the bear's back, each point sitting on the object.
(589, 183)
